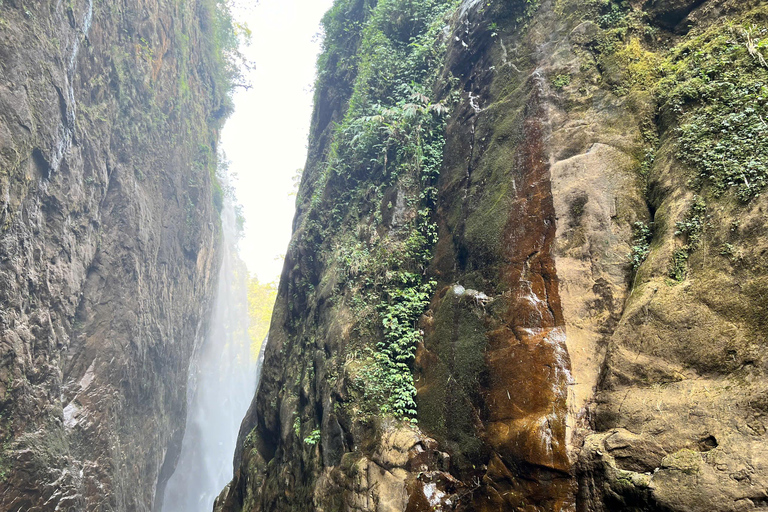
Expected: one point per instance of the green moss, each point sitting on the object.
(686, 461)
(561, 81)
(642, 66)
(451, 389)
(756, 291)
(484, 227)
(716, 88)
(690, 229)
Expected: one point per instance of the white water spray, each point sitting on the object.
(222, 381)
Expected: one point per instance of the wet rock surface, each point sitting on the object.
(107, 248)
(552, 374)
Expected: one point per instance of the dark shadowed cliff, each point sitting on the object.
(109, 117)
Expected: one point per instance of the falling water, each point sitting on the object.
(222, 381)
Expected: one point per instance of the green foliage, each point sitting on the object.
(297, 426)
(261, 301)
(615, 14)
(405, 136)
(313, 438)
(679, 267)
(561, 81)
(646, 165)
(342, 26)
(693, 224)
(226, 63)
(404, 141)
(399, 316)
(642, 234)
(690, 229)
(369, 380)
(390, 140)
(717, 86)
(727, 250)
(617, 48)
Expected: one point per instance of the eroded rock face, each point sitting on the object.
(107, 246)
(513, 372)
(552, 375)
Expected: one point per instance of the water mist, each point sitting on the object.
(222, 381)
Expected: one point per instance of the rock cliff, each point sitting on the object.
(528, 265)
(528, 269)
(109, 117)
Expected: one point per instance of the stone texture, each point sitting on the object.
(551, 376)
(107, 247)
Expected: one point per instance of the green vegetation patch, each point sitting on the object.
(717, 85)
(226, 64)
(370, 216)
(690, 230)
(642, 234)
(313, 438)
(561, 81)
(451, 385)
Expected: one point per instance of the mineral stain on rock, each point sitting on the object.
(527, 270)
(527, 359)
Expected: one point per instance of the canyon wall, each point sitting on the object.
(528, 269)
(109, 118)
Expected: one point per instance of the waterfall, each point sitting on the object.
(222, 381)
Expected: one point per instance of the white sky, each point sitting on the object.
(265, 139)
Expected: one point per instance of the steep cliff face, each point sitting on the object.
(109, 114)
(562, 281)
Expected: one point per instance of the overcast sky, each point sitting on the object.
(265, 139)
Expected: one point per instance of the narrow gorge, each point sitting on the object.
(528, 269)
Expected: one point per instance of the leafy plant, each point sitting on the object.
(693, 224)
(615, 15)
(642, 234)
(222, 51)
(727, 250)
(399, 315)
(390, 139)
(690, 229)
(717, 87)
(313, 438)
(561, 81)
(679, 267)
